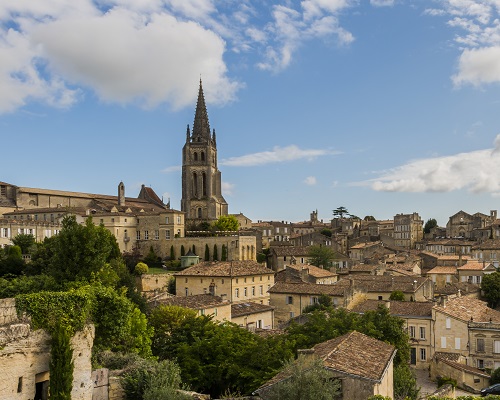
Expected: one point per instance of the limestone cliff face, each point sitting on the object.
(25, 356)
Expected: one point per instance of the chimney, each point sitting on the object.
(443, 301)
(121, 194)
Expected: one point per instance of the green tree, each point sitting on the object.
(369, 218)
(141, 268)
(431, 223)
(13, 263)
(320, 256)
(323, 303)
(207, 253)
(490, 286)
(183, 251)
(193, 249)
(326, 232)
(25, 241)
(405, 383)
(226, 223)
(216, 255)
(172, 252)
(495, 376)
(152, 259)
(223, 256)
(339, 212)
(397, 295)
(304, 379)
(61, 364)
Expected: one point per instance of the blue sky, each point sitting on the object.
(380, 106)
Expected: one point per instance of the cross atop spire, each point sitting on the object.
(201, 126)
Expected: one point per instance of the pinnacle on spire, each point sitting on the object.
(188, 134)
(201, 126)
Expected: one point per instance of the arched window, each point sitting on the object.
(195, 184)
(195, 155)
(202, 156)
(204, 184)
(199, 212)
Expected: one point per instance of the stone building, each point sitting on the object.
(462, 224)
(408, 229)
(202, 199)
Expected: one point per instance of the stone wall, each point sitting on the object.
(148, 283)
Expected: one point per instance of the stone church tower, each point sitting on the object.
(201, 180)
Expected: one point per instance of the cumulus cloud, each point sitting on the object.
(276, 155)
(382, 3)
(227, 188)
(310, 181)
(173, 168)
(478, 38)
(476, 172)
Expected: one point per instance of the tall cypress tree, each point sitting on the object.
(183, 251)
(224, 253)
(61, 364)
(172, 252)
(207, 253)
(216, 255)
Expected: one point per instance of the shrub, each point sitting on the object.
(141, 268)
(443, 380)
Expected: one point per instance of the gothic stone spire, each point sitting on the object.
(201, 127)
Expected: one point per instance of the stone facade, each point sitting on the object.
(408, 229)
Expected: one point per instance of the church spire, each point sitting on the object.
(201, 127)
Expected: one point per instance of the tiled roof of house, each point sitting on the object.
(453, 288)
(444, 257)
(308, 288)
(240, 309)
(442, 270)
(421, 309)
(365, 245)
(362, 267)
(491, 244)
(465, 308)
(195, 301)
(463, 367)
(313, 270)
(354, 354)
(476, 265)
(226, 268)
(282, 251)
(387, 283)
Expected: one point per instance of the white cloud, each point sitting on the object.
(478, 66)
(276, 155)
(476, 172)
(174, 168)
(382, 3)
(310, 181)
(227, 188)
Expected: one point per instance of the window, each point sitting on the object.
(423, 355)
(289, 299)
(412, 332)
(448, 323)
(157, 234)
(292, 314)
(178, 219)
(253, 290)
(237, 292)
(202, 312)
(245, 292)
(261, 291)
(457, 343)
(496, 346)
(422, 333)
(215, 311)
(480, 364)
(138, 235)
(146, 235)
(380, 297)
(443, 342)
(186, 291)
(167, 234)
(480, 345)
(186, 280)
(167, 220)
(112, 220)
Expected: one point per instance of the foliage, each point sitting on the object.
(495, 376)
(171, 286)
(431, 223)
(369, 218)
(323, 303)
(183, 251)
(61, 364)
(226, 223)
(13, 263)
(320, 256)
(116, 360)
(304, 379)
(326, 232)
(397, 295)
(441, 381)
(172, 252)
(223, 256)
(339, 212)
(215, 357)
(12, 286)
(151, 259)
(141, 268)
(80, 250)
(216, 254)
(490, 285)
(405, 383)
(25, 241)
(207, 253)
(379, 397)
(148, 380)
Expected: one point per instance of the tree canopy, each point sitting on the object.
(226, 223)
(490, 286)
(320, 256)
(431, 223)
(339, 212)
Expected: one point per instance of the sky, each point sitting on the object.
(379, 106)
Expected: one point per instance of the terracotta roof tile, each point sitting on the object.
(195, 302)
(226, 268)
(465, 308)
(442, 270)
(240, 309)
(387, 283)
(308, 288)
(398, 308)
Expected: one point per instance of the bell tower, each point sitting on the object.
(202, 199)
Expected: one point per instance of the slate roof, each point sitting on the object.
(455, 364)
(453, 288)
(465, 308)
(491, 244)
(240, 309)
(195, 301)
(419, 309)
(282, 251)
(353, 354)
(226, 268)
(309, 288)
